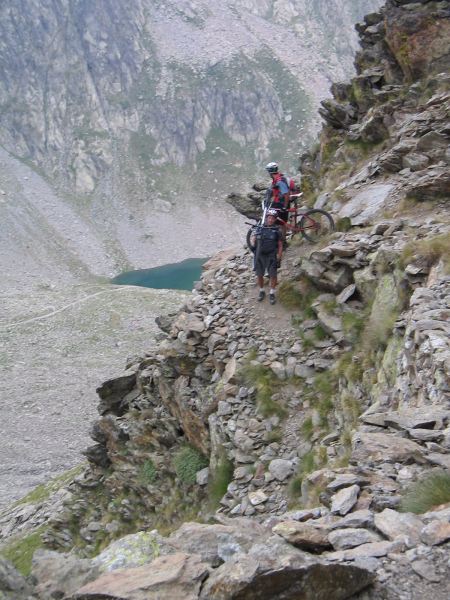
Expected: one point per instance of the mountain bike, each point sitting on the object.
(313, 224)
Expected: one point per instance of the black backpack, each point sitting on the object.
(268, 238)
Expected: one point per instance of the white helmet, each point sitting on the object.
(272, 167)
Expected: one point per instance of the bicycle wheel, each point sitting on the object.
(316, 224)
(250, 246)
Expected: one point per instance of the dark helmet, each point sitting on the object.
(272, 212)
(272, 168)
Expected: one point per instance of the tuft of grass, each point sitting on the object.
(353, 324)
(295, 486)
(307, 428)
(427, 493)
(290, 296)
(276, 435)
(220, 479)
(350, 366)
(186, 462)
(265, 382)
(378, 330)
(298, 295)
(344, 224)
(148, 473)
(307, 463)
(320, 333)
(429, 250)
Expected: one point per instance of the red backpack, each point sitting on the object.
(287, 180)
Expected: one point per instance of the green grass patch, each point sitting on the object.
(350, 366)
(353, 324)
(221, 477)
(290, 296)
(343, 224)
(266, 384)
(298, 295)
(295, 486)
(320, 333)
(148, 472)
(187, 462)
(307, 428)
(427, 493)
(20, 551)
(276, 435)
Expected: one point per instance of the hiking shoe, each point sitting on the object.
(261, 295)
(272, 298)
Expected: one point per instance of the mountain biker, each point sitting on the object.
(278, 194)
(269, 249)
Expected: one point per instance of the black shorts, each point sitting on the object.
(266, 262)
(283, 214)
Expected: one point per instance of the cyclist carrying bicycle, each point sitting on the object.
(278, 194)
(268, 244)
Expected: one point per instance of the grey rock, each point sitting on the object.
(385, 447)
(178, 576)
(393, 524)
(435, 533)
(425, 569)
(281, 469)
(281, 575)
(303, 535)
(415, 161)
(202, 476)
(345, 500)
(372, 550)
(342, 539)
(60, 575)
(345, 480)
(357, 519)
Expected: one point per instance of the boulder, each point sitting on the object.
(249, 207)
(285, 576)
(303, 535)
(384, 447)
(345, 500)
(436, 532)
(216, 543)
(60, 575)
(366, 203)
(113, 391)
(281, 469)
(356, 519)
(415, 161)
(393, 524)
(342, 539)
(175, 576)
(132, 550)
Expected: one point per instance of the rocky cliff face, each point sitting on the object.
(299, 426)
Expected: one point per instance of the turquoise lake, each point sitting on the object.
(175, 276)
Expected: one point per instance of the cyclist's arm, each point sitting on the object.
(280, 248)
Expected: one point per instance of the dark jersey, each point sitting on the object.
(267, 240)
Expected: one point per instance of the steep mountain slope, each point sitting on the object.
(302, 433)
(86, 86)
